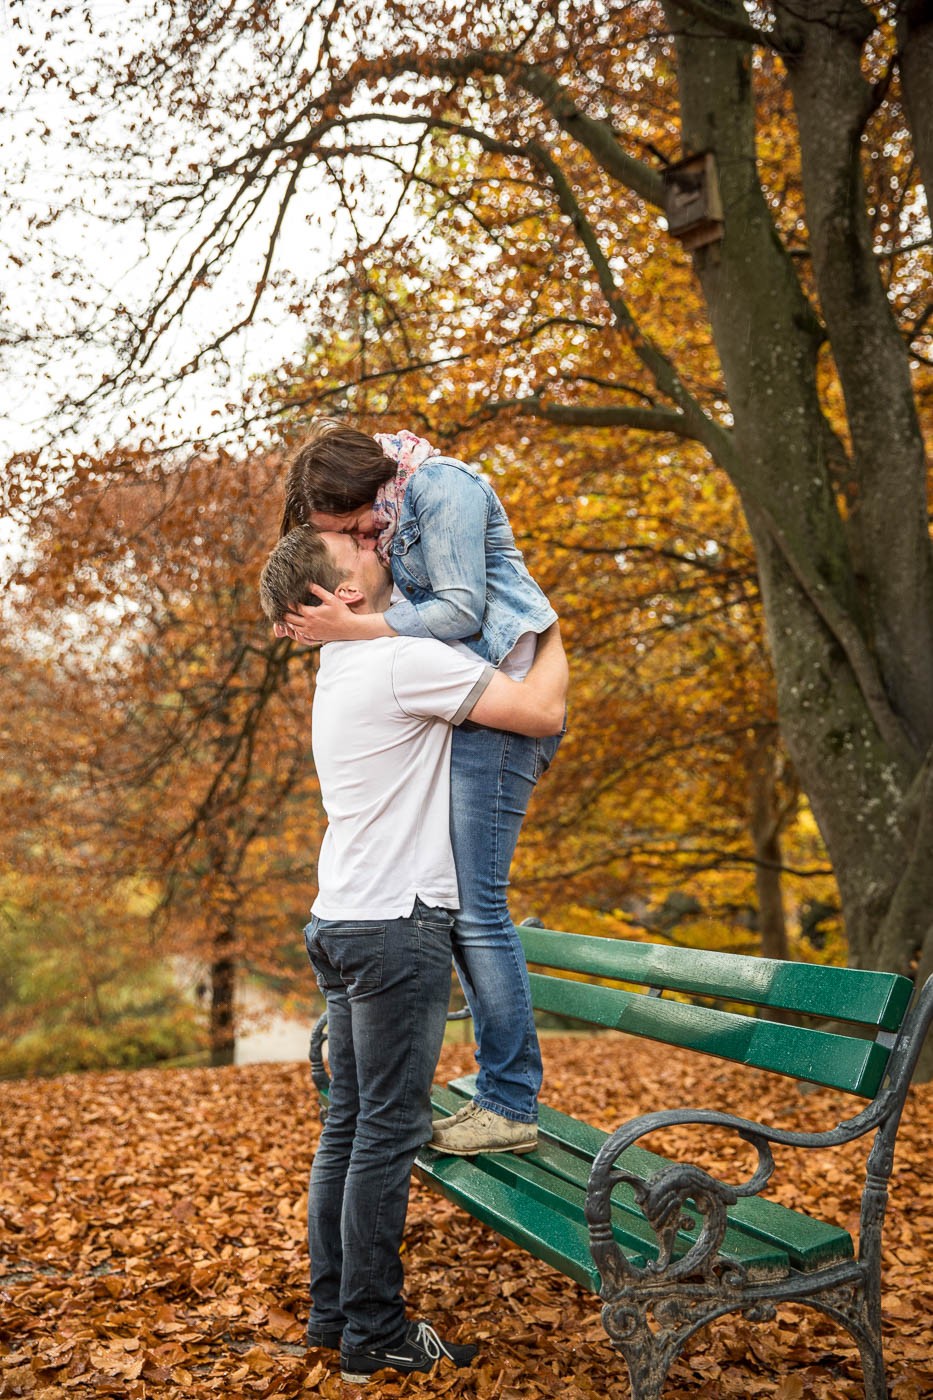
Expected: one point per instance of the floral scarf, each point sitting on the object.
(408, 451)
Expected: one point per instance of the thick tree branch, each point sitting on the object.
(726, 22)
(598, 137)
(915, 59)
(648, 420)
(595, 134)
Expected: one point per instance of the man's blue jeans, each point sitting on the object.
(492, 777)
(387, 987)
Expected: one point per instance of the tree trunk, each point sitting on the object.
(833, 102)
(915, 43)
(223, 986)
(848, 606)
(767, 818)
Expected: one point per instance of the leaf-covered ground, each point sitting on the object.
(152, 1238)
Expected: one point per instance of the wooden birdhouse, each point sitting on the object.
(692, 204)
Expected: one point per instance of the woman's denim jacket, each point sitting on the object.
(456, 564)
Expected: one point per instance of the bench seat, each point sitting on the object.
(537, 1200)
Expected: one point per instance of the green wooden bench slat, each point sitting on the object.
(541, 1170)
(552, 1194)
(870, 998)
(559, 1179)
(808, 1243)
(837, 1061)
(552, 1161)
(547, 1234)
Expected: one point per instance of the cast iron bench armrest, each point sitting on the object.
(663, 1196)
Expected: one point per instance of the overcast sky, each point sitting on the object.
(114, 262)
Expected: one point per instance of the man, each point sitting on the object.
(379, 937)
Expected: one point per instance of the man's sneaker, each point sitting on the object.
(420, 1349)
(323, 1337)
(481, 1130)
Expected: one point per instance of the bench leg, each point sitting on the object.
(858, 1308)
(648, 1355)
(867, 1334)
(876, 1386)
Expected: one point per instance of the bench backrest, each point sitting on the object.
(873, 1003)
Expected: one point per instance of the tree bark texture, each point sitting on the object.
(223, 988)
(766, 819)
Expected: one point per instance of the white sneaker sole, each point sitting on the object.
(362, 1377)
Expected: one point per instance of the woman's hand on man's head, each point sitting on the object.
(282, 629)
(330, 621)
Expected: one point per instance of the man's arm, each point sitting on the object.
(534, 706)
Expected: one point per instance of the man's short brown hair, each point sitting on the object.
(299, 559)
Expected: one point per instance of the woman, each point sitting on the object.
(459, 577)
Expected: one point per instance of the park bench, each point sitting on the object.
(666, 1246)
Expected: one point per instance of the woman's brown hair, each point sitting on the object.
(337, 470)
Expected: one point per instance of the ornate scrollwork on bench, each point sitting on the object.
(663, 1198)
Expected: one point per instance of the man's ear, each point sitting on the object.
(348, 593)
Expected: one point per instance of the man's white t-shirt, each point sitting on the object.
(381, 729)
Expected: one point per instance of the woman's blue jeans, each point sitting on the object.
(387, 987)
(492, 777)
